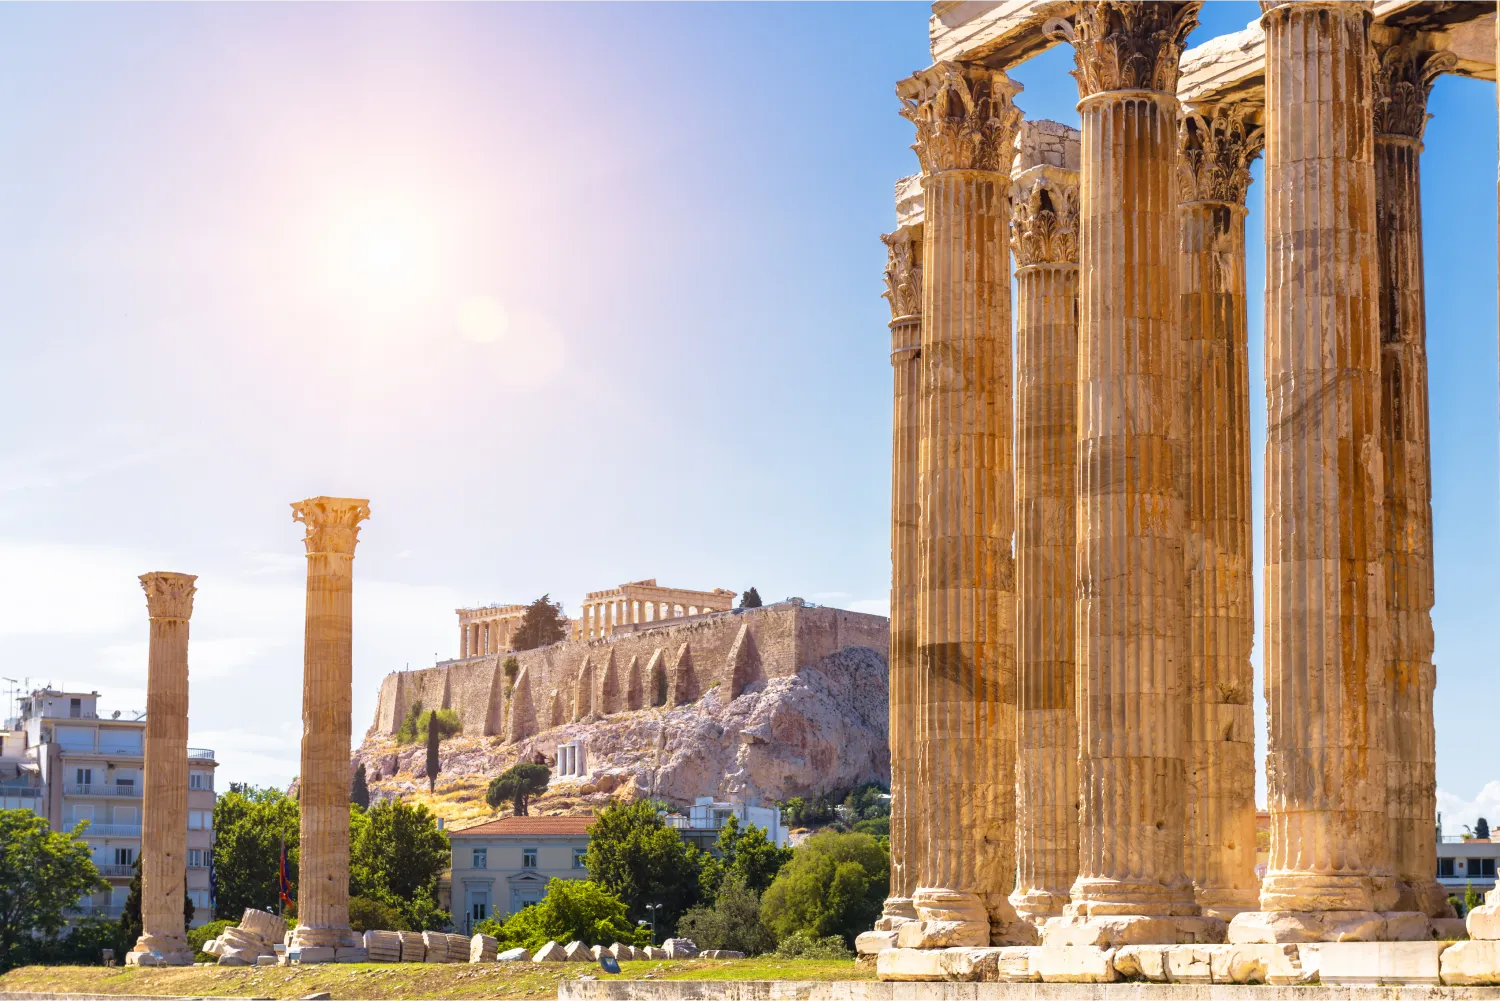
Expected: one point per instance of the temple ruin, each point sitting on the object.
(1071, 595)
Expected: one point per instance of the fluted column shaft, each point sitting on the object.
(1044, 228)
(1325, 538)
(1214, 174)
(1403, 79)
(965, 722)
(327, 697)
(169, 599)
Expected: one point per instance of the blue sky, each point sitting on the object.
(575, 294)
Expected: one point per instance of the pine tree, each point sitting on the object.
(750, 599)
(359, 790)
(434, 737)
(542, 625)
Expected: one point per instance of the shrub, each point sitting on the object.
(801, 945)
(574, 910)
(415, 726)
(198, 938)
(835, 884)
(733, 922)
(368, 914)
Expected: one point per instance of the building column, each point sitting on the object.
(1132, 672)
(965, 714)
(1216, 148)
(1325, 541)
(1044, 237)
(163, 941)
(903, 279)
(1403, 81)
(327, 695)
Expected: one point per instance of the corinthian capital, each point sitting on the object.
(1044, 217)
(903, 272)
(332, 523)
(965, 116)
(169, 595)
(1128, 44)
(1215, 148)
(1403, 81)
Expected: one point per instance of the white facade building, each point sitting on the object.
(504, 865)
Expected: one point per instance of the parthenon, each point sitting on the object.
(1072, 591)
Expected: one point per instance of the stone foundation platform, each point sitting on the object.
(869, 990)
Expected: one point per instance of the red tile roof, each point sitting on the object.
(527, 826)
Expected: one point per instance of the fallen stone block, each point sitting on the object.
(265, 960)
(436, 944)
(942, 935)
(1472, 963)
(1353, 926)
(1073, 964)
(680, 948)
(550, 953)
(1450, 929)
(212, 947)
(1406, 926)
(1372, 963)
(235, 958)
(309, 954)
(1190, 964)
(1142, 962)
(577, 952)
(483, 949)
(263, 925)
(1252, 963)
(1483, 922)
(721, 954)
(910, 965)
(513, 956)
(870, 943)
(1273, 927)
(413, 949)
(652, 952)
(351, 954)
(596, 951)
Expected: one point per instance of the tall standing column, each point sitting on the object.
(903, 279)
(1325, 538)
(163, 941)
(965, 713)
(1403, 81)
(327, 697)
(1132, 699)
(1044, 236)
(1216, 148)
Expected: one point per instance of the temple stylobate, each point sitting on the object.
(1072, 605)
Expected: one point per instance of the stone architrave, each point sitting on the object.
(1403, 80)
(903, 279)
(1216, 147)
(1044, 238)
(964, 725)
(163, 940)
(1325, 541)
(1132, 692)
(327, 696)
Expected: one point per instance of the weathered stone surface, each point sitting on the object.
(550, 953)
(577, 952)
(942, 934)
(680, 948)
(1483, 922)
(351, 954)
(1406, 926)
(721, 954)
(413, 948)
(1450, 929)
(872, 942)
(652, 952)
(436, 946)
(1142, 962)
(309, 955)
(1307, 926)
(1247, 964)
(266, 961)
(484, 949)
(237, 957)
(1113, 931)
(1376, 962)
(517, 955)
(910, 964)
(1472, 963)
(1073, 964)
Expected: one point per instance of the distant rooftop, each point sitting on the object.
(531, 826)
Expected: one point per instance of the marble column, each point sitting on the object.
(903, 279)
(1044, 238)
(1403, 81)
(327, 696)
(163, 940)
(1325, 540)
(1131, 638)
(1216, 147)
(964, 731)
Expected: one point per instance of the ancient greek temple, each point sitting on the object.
(1072, 727)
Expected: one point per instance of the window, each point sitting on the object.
(199, 899)
(83, 776)
(124, 856)
(201, 780)
(198, 820)
(197, 858)
(75, 708)
(1482, 867)
(578, 854)
(481, 858)
(479, 910)
(1445, 867)
(528, 858)
(125, 815)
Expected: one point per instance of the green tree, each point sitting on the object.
(396, 854)
(198, 937)
(511, 668)
(516, 785)
(130, 917)
(1482, 828)
(574, 910)
(42, 873)
(743, 853)
(835, 884)
(249, 825)
(359, 788)
(434, 757)
(732, 922)
(634, 855)
(1471, 898)
(542, 624)
(366, 914)
(867, 802)
(750, 599)
(416, 726)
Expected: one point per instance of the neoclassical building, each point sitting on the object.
(1072, 607)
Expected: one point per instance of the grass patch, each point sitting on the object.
(379, 981)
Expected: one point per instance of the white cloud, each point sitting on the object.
(1457, 812)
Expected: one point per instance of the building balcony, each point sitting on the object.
(111, 869)
(103, 789)
(110, 911)
(106, 830)
(200, 754)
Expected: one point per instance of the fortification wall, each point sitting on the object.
(675, 664)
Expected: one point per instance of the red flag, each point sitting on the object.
(284, 885)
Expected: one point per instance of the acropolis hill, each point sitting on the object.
(764, 703)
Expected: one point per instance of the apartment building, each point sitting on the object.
(61, 760)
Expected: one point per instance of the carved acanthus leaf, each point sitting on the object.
(965, 116)
(903, 273)
(1130, 44)
(1044, 221)
(1403, 81)
(169, 595)
(1215, 149)
(332, 523)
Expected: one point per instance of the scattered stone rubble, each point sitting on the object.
(255, 939)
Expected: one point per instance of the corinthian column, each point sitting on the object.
(327, 695)
(1325, 671)
(1132, 699)
(1403, 80)
(1216, 147)
(965, 700)
(903, 279)
(163, 941)
(1044, 236)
